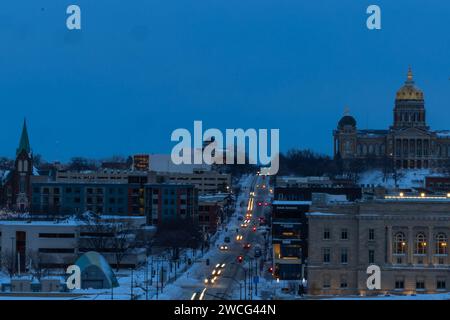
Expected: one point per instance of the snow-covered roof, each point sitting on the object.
(291, 203)
(213, 197)
(322, 214)
(39, 223)
(4, 176)
(443, 133)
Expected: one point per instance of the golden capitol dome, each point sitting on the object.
(409, 91)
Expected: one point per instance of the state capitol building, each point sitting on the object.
(409, 142)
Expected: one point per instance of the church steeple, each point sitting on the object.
(24, 144)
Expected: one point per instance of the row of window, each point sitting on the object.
(56, 250)
(400, 243)
(326, 255)
(399, 283)
(56, 235)
(343, 234)
(68, 190)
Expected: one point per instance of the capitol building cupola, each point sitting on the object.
(409, 108)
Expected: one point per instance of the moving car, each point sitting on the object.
(247, 246)
(223, 247)
(239, 237)
(210, 279)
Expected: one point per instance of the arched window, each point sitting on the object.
(441, 243)
(399, 243)
(420, 244)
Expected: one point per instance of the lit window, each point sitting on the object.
(399, 243)
(441, 243)
(420, 244)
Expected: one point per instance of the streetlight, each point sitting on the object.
(240, 286)
(245, 279)
(13, 258)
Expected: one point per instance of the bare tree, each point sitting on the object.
(114, 237)
(7, 260)
(178, 233)
(35, 261)
(123, 242)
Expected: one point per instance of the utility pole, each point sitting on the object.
(157, 280)
(240, 291)
(13, 259)
(245, 284)
(131, 292)
(256, 283)
(151, 274)
(146, 279)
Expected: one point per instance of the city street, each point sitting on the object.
(239, 275)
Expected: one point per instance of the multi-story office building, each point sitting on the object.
(406, 236)
(164, 202)
(302, 188)
(100, 176)
(206, 182)
(67, 198)
(289, 239)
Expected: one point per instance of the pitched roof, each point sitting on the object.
(24, 144)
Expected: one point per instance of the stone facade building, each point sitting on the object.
(406, 237)
(409, 142)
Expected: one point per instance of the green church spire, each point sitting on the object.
(24, 144)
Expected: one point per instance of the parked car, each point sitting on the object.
(258, 252)
(227, 239)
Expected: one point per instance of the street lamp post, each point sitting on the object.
(131, 290)
(146, 279)
(240, 286)
(13, 258)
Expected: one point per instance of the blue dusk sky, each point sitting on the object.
(140, 69)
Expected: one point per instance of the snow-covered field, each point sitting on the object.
(405, 178)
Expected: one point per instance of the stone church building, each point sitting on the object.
(409, 142)
(15, 186)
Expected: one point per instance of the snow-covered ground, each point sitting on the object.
(433, 296)
(405, 178)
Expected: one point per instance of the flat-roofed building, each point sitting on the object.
(164, 202)
(206, 182)
(50, 244)
(68, 198)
